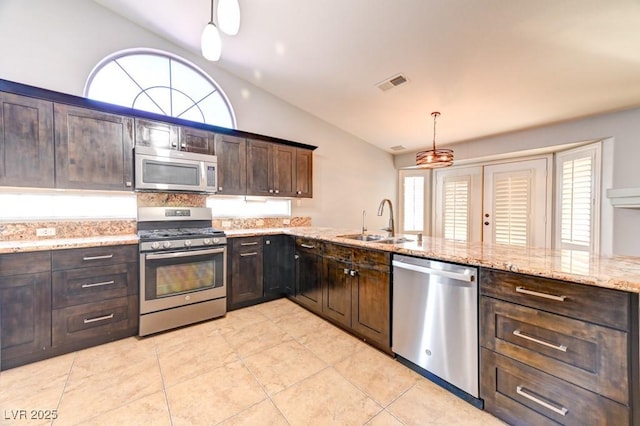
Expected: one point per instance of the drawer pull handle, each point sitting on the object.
(561, 348)
(255, 243)
(90, 320)
(520, 289)
(562, 411)
(308, 246)
(253, 253)
(98, 284)
(107, 256)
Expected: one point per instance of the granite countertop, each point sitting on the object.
(616, 272)
(65, 243)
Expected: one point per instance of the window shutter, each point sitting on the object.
(413, 203)
(576, 201)
(512, 207)
(456, 208)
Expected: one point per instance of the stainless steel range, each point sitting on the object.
(182, 268)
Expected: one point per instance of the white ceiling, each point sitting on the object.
(489, 66)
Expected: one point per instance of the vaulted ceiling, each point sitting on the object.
(489, 66)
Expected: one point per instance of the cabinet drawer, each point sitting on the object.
(594, 304)
(93, 256)
(337, 252)
(94, 322)
(587, 355)
(24, 263)
(84, 285)
(247, 245)
(309, 245)
(520, 394)
(372, 259)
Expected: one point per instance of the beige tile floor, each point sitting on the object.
(270, 364)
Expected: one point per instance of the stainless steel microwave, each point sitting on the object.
(169, 170)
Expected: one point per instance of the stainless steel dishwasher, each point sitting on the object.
(435, 319)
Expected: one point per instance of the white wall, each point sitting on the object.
(623, 128)
(56, 44)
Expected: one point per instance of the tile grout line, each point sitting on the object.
(164, 388)
(66, 382)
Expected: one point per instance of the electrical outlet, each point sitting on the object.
(226, 224)
(286, 221)
(45, 232)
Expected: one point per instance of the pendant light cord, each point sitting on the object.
(435, 115)
(212, 12)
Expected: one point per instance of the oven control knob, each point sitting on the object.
(207, 241)
(216, 240)
(155, 245)
(166, 244)
(187, 243)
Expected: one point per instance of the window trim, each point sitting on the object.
(427, 174)
(149, 51)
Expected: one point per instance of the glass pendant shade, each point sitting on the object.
(434, 158)
(211, 43)
(229, 16)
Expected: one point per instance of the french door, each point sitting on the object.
(506, 203)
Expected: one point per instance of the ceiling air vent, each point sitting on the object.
(398, 148)
(392, 82)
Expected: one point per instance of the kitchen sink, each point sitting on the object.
(394, 240)
(363, 237)
(382, 239)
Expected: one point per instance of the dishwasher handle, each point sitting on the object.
(424, 270)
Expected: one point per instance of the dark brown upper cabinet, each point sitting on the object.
(232, 164)
(157, 134)
(304, 173)
(270, 169)
(93, 149)
(26, 141)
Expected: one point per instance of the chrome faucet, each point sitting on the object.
(364, 227)
(391, 228)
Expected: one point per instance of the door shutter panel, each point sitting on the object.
(456, 208)
(512, 208)
(576, 201)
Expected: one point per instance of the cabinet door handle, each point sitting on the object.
(561, 348)
(90, 320)
(249, 254)
(562, 411)
(255, 243)
(98, 284)
(346, 271)
(308, 246)
(523, 290)
(353, 273)
(296, 257)
(277, 191)
(107, 256)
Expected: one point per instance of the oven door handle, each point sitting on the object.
(172, 255)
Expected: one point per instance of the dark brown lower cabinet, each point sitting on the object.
(352, 288)
(545, 359)
(25, 306)
(54, 302)
(308, 287)
(244, 278)
(278, 265)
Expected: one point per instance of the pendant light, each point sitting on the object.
(433, 158)
(210, 42)
(229, 16)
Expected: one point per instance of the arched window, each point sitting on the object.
(161, 83)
